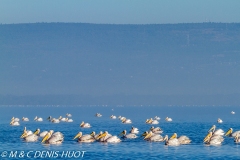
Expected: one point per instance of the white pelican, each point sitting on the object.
(126, 121)
(98, 115)
(181, 139)
(85, 125)
(232, 112)
(219, 132)
(25, 119)
(130, 135)
(38, 119)
(69, 120)
(68, 115)
(134, 130)
(230, 133)
(95, 135)
(168, 119)
(212, 139)
(151, 121)
(14, 123)
(156, 130)
(30, 137)
(219, 120)
(157, 118)
(55, 120)
(108, 138)
(171, 142)
(53, 138)
(113, 117)
(43, 134)
(153, 137)
(62, 119)
(85, 138)
(15, 119)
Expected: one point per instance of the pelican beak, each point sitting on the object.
(46, 137)
(78, 135)
(228, 132)
(144, 134)
(207, 137)
(12, 122)
(92, 134)
(24, 135)
(173, 136)
(121, 133)
(102, 135)
(147, 120)
(147, 136)
(81, 124)
(36, 132)
(211, 129)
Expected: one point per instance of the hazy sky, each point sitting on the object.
(119, 11)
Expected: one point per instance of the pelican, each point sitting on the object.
(62, 119)
(38, 119)
(55, 120)
(95, 135)
(30, 137)
(171, 142)
(134, 130)
(69, 120)
(156, 130)
(181, 139)
(126, 121)
(219, 120)
(153, 137)
(113, 117)
(98, 115)
(53, 138)
(68, 115)
(168, 119)
(151, 121)
(212, 139)
(157, 118)
(108, 138)
(230, 133)
(25, 119)
(219, 132)
(232, 112)
(85, 125)
(14, 123)
(130, 135)
(85, 138)
(15, 119)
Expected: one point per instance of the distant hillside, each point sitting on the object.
(160, 64)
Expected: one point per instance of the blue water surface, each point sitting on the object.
(191, 121)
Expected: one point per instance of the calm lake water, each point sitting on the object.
(191, 121)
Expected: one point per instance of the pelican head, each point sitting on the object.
(165, 138)
(145, 133)
(123, 132)
(82, 124)
(229, 132)
(37, 131)
(12, 121)
(24, 134)
(78, 135)
(102, 135)
(207, 138)
(93, 133)
(148, 135)
(47, 136)
(212, 128)
(173, 136)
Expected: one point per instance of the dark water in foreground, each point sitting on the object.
(191, 121)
